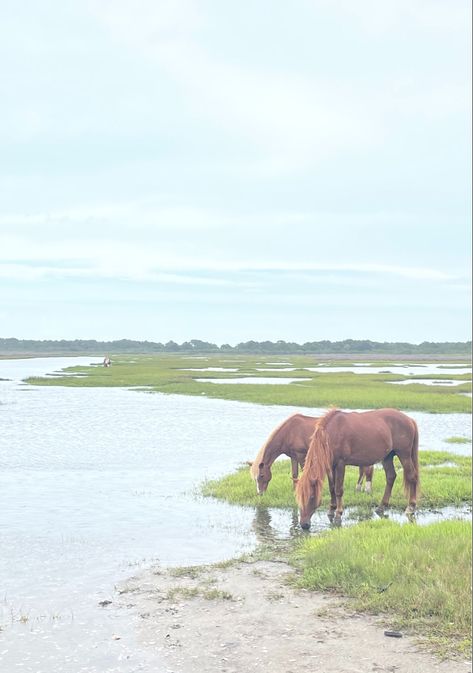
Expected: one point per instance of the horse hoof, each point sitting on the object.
(337, 521)
(305, 526)
(330, 515)
(358, 487)
(380, 511)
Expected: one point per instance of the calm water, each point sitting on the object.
(95, 483)
(420, 369)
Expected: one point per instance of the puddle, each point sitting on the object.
(429, 368)
(272, 369)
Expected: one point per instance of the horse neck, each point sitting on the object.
(272, 449)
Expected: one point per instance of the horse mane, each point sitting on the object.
(318, 462)
(260, 455)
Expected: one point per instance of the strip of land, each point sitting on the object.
(249, 616)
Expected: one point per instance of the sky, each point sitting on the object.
(228, 171)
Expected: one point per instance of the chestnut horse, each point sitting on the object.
(292, 438)
(352, 438)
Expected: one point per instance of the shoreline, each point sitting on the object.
(247, 615)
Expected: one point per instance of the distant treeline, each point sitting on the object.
(348, 346)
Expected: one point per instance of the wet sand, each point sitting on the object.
(247, 617)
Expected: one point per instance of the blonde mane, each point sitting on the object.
(318, 463)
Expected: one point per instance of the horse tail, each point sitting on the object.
(414, 481)
(317, 464)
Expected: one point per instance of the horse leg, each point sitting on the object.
(369, 471)
(339, 479)
(390, 472)
(411, 480)
(359, 483)
(333, 503)
(295, 471)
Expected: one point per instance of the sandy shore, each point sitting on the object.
(246, 617)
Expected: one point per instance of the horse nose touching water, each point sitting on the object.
(353, 438)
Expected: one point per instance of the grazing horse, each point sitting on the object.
(352, 438)
(292, 438)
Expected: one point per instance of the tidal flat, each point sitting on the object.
(99, 481)
(317, 385)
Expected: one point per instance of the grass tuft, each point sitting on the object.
(414, 574)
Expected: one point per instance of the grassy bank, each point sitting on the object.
(445, 480)
(172, 374)
(418, 577)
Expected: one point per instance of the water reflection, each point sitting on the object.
(272, 525)
(270, 528)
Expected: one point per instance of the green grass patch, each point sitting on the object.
(458, 440)
(445, 480)
(418, 577)
(171, 374)
(177, 593)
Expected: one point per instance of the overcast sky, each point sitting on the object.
(230, 171)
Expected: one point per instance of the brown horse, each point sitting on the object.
(292, 438)
(351, 438)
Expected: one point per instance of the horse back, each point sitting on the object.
(374, 433)
(295, 433)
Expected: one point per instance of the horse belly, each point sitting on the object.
(366, 448)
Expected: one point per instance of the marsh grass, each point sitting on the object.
(458, 440)
(167, 374)
(445, 480)
(186, 571)
(418, 577)
(213, 594)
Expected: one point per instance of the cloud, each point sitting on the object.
(388, 16)
(142, 241)
(294, 119)
(118, 264)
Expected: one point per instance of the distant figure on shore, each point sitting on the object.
(107, 362)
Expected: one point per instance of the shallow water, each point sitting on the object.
(358, 368)
(409, 369)
(96, 482)
(271, 525)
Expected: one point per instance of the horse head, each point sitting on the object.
(262, 475)
(310, 503)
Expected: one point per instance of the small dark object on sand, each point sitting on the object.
(393, 634)
(104, 603)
